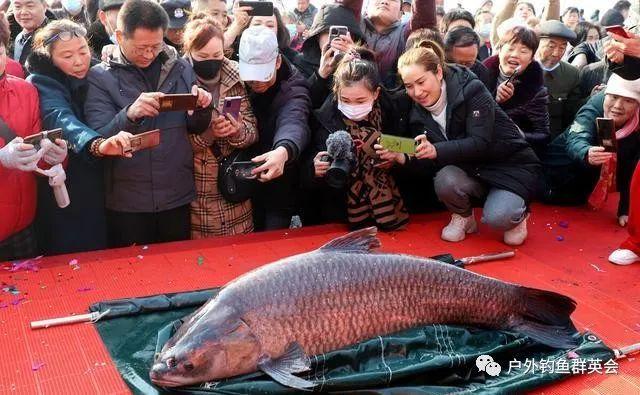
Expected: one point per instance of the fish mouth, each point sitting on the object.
(167, 383)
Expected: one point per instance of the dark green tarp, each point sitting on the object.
(435, 359)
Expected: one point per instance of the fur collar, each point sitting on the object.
(527, 84)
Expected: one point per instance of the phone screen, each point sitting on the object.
(398, 144)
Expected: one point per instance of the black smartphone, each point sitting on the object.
(336, 31)
(35, 139)
(243, 169)
(259, 8)
(514, 75)
(606, 134)
(178, 102)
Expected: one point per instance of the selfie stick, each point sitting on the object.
(62, 195)
(91, 317)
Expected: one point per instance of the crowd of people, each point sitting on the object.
(500, 107)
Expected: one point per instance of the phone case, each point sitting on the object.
(617, 29)
(243, 169)
(337, 31)
(35, 139)
(178, 102)
(144, 140)
(398, 144)
(260, 8)
(607, 134)
(231, 106)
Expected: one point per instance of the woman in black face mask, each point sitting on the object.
(211, 213)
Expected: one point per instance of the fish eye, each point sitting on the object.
(171, 363)
(188, 366)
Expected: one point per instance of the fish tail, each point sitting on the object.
(545, 316)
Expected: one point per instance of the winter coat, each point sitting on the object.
(323, 203)
(389, 44)
(527, 108)
(157, 179)
(282, 122)
(19, 110)
(82, 225)
(480, 137)
(629, 69)
(211, 214)
(14, 68)
(565, 98)
(583, 134)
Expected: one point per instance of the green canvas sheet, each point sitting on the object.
(434, 359)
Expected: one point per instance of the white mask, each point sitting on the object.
(405, 17)
(484, 31)
(73, 7)
(355, 112)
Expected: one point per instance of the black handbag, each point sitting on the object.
(234, 189)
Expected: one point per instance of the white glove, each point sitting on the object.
(57, 177)
(54, 153)
(20, 156)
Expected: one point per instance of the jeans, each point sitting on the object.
(503, 210)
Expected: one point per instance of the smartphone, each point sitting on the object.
(398, 144)
(514, 75)
(336, 31)
(243, 169)
(259, 8)
(606, 134)
(35, 139)
(142, 141)
(231, 106)
(178, 102)
(617, 29)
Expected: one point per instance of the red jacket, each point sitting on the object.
(14, 68)
(20, 110)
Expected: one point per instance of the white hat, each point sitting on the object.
(621, 87)
(258, 54)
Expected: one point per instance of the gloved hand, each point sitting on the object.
(20, 156)
(54, 153)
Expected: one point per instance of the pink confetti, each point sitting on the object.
(3, 305)
(30, 265)
(140, 257)
(85, 289)
(572, 355)
(17, 301)
(145, 247)
(73, 262)
(37, 366)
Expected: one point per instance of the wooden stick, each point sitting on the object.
(625, 351)
(488, 257)
(72, 319)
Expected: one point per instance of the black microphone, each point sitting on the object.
(340, 150)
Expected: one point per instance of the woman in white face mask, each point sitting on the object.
(349, 179)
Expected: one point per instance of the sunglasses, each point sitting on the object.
(65, 36)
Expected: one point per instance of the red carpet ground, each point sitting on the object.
(566, 252)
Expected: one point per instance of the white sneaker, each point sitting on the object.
(623, 257)
(458, 227)
(517, 235)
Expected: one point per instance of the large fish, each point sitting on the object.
(273, 318)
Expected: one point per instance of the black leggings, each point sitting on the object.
(126, 229)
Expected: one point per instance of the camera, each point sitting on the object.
(338, 172)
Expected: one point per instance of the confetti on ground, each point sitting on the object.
(563, 224)
(140, 257)
(200, 260)
(560, 238)
(30, 265)
(74, 264)
(597, 268)
(3, 305)
(85, 289)
(17, 301)
(145, 247)
(37, 366)
(10, 289)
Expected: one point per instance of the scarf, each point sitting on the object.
(373, 196)
(607, 182)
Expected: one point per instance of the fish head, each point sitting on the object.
(211, 348)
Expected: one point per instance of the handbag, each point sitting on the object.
(234, 189)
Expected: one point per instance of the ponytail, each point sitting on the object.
(426, 53)
(358, 65)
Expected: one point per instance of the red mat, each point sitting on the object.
(72, 359)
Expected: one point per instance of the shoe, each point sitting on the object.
(623, 257)
(517, 235)
(458, 227)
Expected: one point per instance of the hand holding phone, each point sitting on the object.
(36, 139)
(142, 141)
(258, 8)
(231, 106)
(398, 144)
(244, 169)
(617, 29)
(606, 134)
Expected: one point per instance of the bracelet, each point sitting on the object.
(94, 148)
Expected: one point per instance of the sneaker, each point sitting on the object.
(517, 235)
(458, 227)
(623, 257)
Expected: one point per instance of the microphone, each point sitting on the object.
(340, 150)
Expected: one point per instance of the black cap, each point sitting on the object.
(555, 28)
(106, 5)
(178, 11)
(611, 18)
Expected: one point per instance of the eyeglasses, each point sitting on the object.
(154, 49)
(65, 36)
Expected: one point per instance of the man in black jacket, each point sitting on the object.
(280, 99)
(461, 47)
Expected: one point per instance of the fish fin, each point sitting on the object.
(359, 242)
(545, 317)
(294, 360)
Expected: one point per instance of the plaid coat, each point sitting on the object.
(211, 214)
